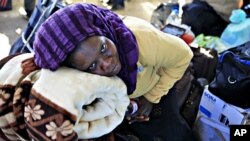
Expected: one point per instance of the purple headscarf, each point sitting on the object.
(69, 26)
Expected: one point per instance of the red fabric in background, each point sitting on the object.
(5, 5)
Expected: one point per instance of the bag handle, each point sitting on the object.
(46, 13)
(243, 61)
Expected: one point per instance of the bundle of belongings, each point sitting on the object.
(215, 92)
(64, 104)
(237, 32)
(225, 101)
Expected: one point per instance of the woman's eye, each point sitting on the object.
(103, 48)
(92, 67)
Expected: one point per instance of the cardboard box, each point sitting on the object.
(208, 130)
(218, 110)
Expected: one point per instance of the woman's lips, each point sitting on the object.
(114, 69)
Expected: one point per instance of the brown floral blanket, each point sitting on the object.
(63, 105)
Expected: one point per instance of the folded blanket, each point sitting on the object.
(63, 105)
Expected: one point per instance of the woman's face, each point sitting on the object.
(97, 55)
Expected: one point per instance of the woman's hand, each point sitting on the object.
(28, 66)
(144, 109)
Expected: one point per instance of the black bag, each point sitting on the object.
(204, 62)
(232, 80)
(183, 86)
(203, 19)
(190, 108)
(242, 50)
(43, 9)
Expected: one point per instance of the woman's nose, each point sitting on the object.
(106, 63)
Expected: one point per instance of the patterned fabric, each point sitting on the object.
(43, 105)
(69, 26)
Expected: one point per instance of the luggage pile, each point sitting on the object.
(217, 91)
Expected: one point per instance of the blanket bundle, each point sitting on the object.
(63, 105)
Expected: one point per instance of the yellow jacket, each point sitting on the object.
(163, 59)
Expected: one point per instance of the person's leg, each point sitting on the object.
(29, 6)
(166, 123)
(118, 4)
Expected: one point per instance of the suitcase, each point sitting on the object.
(43, 9)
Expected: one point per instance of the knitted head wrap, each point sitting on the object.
(69, 26)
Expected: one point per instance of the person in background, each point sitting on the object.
(209, 17)
(118, 4)
(224, 8)
(29, 6)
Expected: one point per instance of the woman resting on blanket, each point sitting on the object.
(95, 40)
